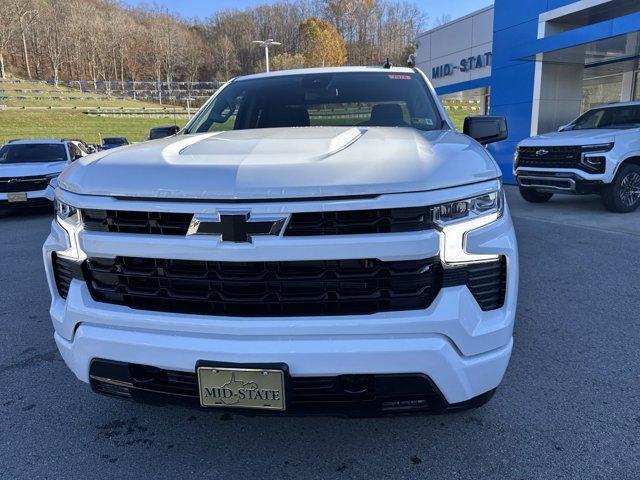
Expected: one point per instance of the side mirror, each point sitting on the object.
(486, 129)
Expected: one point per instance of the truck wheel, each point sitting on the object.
(534, 196)
(623, 194)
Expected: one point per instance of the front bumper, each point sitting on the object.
(457, 376)
(463, 350)
(558, 181)
(34, 199)
(350, 395)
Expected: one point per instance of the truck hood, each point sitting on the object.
(284, 163)
(573, 137)
(31, 169)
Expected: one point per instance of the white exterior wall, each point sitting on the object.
(471, 35)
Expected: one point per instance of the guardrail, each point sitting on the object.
(106, 90)
(137, 112)
(92, 83)
(109, 111)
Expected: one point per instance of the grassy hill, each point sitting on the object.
(39, 110)
(458, 109)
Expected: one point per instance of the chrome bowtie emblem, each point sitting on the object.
(541, 152)
(236, 226)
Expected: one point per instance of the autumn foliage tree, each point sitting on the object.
(322, 45)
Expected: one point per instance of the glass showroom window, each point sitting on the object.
(601, 90)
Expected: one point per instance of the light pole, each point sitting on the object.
(265, 44)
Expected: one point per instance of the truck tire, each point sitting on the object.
(623, 194)
(534, 196)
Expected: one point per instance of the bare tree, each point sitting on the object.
(442, 19)
(7, 32)
(55, 33)
(25, 13)
(227, 55)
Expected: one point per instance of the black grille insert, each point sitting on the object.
(136, 222)
(487, 282)
(64, 270)
(388, 220)
(23, 184)
(304, 288)
(360, 222)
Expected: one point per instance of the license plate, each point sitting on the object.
(241, 388)
(16, 197)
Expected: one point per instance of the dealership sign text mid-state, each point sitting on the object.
(466, 64)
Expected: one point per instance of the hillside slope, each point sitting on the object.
(39, 110)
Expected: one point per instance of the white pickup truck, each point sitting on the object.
(316, 240)
(598, 152)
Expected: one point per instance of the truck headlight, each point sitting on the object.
(600, 147)
(456, 219)
(53, 180)
(69, 218)
(66, 214)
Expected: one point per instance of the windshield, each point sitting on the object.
(33, 153)
(325, 99)
(612, 117)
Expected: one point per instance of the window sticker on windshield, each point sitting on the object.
(422, 122)
(400, 77)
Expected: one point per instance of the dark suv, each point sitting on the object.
(113, 142)
(163, 131)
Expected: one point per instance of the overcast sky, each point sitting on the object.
(204, 8)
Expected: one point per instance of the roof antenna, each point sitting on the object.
(387, 63)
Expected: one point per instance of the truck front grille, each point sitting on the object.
(350, 222)
(556, 157)
(293, 288)
(23, 184)
(303, 288)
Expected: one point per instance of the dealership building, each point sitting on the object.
(538, 62)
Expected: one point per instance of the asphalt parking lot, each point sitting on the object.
(569, 406)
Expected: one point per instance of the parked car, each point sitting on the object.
(113, 142)
(598, 152)
(342, 249)
(27, 167)
(83, 146)
(163, 131)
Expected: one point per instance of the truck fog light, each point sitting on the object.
(456, 219)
